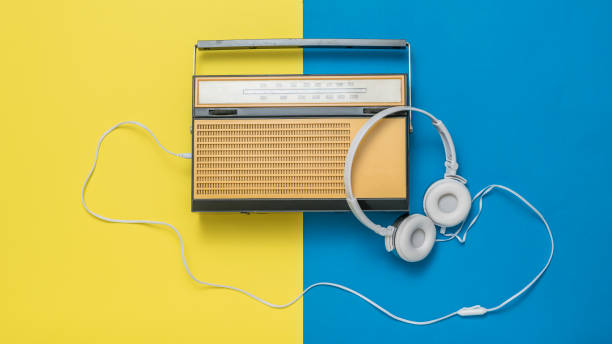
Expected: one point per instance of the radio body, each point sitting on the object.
(266, 143)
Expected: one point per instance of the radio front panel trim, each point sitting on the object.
(300, 91)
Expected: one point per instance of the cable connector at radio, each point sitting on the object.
(185, 155)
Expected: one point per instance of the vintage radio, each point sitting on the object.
(278, 142)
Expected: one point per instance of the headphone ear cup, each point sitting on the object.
(447, 202)
(414, 238)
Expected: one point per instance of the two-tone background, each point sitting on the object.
(523, 86)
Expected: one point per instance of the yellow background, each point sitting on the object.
(69, 71)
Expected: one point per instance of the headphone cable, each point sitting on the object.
(465, 311)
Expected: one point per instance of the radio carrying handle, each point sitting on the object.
(233, 44)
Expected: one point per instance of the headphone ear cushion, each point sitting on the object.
(414, 238)
(447, 202)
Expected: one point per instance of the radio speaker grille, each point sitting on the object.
(270, 159)
(273, 158)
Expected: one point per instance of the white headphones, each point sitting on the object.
(447, 202)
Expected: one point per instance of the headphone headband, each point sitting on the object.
(451, 164)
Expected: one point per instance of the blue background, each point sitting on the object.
(524, 87)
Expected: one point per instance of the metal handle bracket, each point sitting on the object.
(302, 43)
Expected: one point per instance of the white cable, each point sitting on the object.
(465, 311)
(480, 195)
